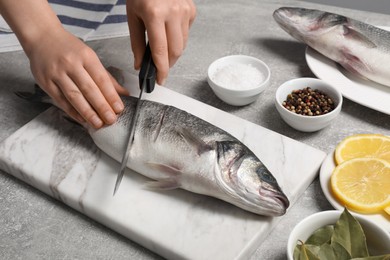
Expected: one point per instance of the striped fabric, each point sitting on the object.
(86, 19)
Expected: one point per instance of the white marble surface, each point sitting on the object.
(59, 158)
(35, 226)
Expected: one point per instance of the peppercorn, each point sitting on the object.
(308, 102)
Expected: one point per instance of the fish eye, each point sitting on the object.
(265, 175)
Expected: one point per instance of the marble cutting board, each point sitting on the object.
(58, 158)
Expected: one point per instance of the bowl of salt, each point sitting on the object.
(238, 79)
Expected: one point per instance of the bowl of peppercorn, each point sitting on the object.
(308, 104)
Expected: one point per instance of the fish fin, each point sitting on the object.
(351, 33)
(169, 170)
(200, 145)
(163, 184)
(354, 64)
(172, 181)
(350, 68)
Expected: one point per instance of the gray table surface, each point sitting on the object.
(35, 226)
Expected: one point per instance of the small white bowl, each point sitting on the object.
(307, 123)
(236, 96)
(378, 239)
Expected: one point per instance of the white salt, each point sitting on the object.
(238, 76)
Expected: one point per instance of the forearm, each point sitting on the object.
(30, 20)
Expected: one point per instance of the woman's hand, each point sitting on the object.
(72, 74)
(167, 23)
(63, 66)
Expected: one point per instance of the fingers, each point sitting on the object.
(176, 44)
(192, 12)
(60, 100)
(99, 81)
(88, 95)
(167, 24)
(119, 89)
(75, 97)
(137, 38)
(84, 100)
(72, 74)
(186, 24)
(92, 94)
(159, 48)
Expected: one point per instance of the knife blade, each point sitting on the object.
(147, 79)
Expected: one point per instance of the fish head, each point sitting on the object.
(304, 23)
(247, 180)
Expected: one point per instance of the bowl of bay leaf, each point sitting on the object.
(337, 234)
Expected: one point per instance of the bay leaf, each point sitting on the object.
(297, 251)
(313, 249)
(333, 251)
(349, 234)
(321, 236)
(306, 252)
(340, 251)
(326, 252)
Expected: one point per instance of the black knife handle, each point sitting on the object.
(149, 76)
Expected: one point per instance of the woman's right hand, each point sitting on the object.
(168, 23)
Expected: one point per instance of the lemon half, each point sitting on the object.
(362, 184)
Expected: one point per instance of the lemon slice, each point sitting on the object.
(387, 210)
(362, 184)
(363, 145)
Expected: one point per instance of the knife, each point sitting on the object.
(147, 80)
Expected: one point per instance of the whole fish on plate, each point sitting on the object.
(180, 150)
(360, 48)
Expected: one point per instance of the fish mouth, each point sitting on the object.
(267, 203)
(284, 17)
(268, 200)
(283, 14)
(279, 198)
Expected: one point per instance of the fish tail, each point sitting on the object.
(38, 95)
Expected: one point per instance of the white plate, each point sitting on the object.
(364, 92)
(325, 172)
